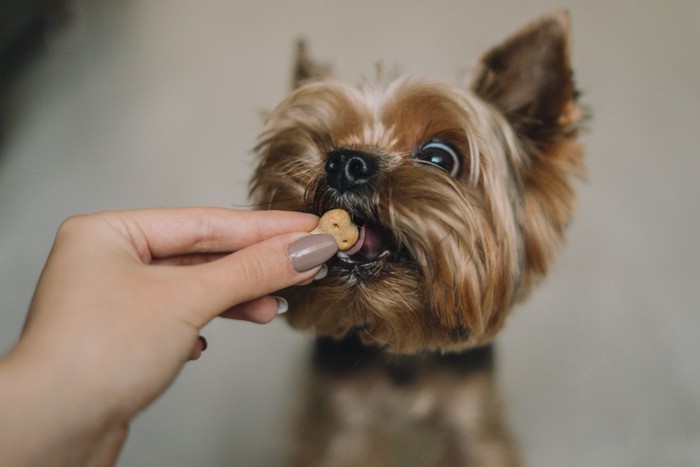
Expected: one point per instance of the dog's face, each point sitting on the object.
(462, 192)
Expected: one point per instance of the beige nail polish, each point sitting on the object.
(311, 251)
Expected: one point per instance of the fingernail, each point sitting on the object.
(282, 305)
(204, 343)
(323, 272)
(311, 251)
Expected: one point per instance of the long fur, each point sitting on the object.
(466, 248)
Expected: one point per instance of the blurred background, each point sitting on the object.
(148, 103)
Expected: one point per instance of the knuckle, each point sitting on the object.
(257, 271)
(205, 230)
(73, 225)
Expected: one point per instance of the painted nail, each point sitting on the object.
(311, 251)
(282, 305)
(203, 343)
(323, 272)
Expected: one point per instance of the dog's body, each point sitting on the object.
(365, 408)
(463, 195)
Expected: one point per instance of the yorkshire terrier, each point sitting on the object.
(463, 194)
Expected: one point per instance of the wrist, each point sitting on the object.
(45, 421)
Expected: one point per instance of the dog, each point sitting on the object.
(463, 193)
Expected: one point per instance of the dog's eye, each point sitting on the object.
(441, 155)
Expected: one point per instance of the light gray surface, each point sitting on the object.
(157, 103)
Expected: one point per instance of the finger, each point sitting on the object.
(189, 259)
(320, 274)
(254, 272)
(259, 310)
(159, 233)
(200, 346)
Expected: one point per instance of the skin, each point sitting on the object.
(117, 313)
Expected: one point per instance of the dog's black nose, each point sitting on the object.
(346, 169)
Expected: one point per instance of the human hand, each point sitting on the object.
(118, 310)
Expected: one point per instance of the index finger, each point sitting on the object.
(159, 233)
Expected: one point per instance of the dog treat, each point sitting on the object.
(337, 222)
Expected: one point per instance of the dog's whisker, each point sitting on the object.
(272, 199)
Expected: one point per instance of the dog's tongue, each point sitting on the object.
(371, 244)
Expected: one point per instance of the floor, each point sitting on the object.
(157, 103)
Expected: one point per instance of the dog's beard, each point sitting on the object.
(450, 253)
(436, 265)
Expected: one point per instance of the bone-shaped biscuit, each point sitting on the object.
(338, 223)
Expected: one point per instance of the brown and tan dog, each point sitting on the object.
(463, 194)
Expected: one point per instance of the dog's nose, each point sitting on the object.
(347, 169)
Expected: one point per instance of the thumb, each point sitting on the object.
(256, 271)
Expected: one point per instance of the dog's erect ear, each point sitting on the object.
(305, 68)
(529, 79)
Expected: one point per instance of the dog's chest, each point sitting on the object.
(365, 386)
(362, 400)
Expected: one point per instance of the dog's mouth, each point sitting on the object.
(375, 244)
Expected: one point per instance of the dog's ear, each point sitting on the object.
(529, 79)
(305, 68)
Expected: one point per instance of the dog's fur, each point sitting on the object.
(461, 248)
